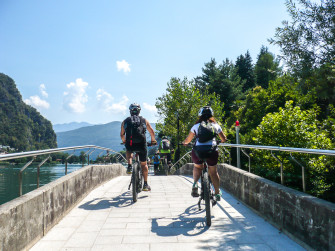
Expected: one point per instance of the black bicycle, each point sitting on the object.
(137, 178)
(207, 193)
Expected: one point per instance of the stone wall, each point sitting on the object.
(23, 221)
(303, 217)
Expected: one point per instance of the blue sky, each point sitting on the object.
(84, 60)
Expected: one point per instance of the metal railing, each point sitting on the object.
(182, 161)
(280, 149)
(34, 154)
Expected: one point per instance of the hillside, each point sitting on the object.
(21, 126)
(69, 126)
(106, 135)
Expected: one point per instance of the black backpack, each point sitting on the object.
(165, 144)
(135, 128)
(206, 132)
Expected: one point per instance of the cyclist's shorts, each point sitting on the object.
(168, 156)
(140, 149)
(212, 159)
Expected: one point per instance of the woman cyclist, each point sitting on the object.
(206, 115)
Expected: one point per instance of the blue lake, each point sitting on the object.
(9, 178)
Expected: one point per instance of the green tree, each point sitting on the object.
(221, 80)
(181, 103)
(245, 70)
(307, 41)
(269, 100)
(293, 127)
(266, 68)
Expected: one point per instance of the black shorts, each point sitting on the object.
(168, 156)
(141, 149)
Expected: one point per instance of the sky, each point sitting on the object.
(87, 61)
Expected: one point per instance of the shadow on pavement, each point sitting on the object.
(123, 200)
(184, 224)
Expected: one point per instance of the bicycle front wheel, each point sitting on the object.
(207, 197)
(135, 181)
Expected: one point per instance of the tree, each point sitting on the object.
(181, 104)
(220, 80)
(266, 68)
(307, 42)
(293, 127)
(245, 70)
(269, 100)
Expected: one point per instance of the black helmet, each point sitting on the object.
(206, 112)
(164, 137)
(134, 109)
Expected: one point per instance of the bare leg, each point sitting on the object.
(197, 172)
(129, 157)
(215, 178)
(145, 170)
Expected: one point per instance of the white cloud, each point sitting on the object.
(43, 91)
(123, 66)
(37, 102)
(150, 108)
(105, 100)
(75, 97)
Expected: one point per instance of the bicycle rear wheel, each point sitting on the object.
(166, 168)
(207, 197)
(135, 181)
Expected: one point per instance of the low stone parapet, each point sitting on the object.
(307, 219)
(23, 221)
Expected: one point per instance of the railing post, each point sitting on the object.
(248, 158)
(38, 170)
(281, 168)
(20, 175)
(238, 157)
(302, 174)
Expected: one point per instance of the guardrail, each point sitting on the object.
(180, 161)
(282, 149)
(33, 154)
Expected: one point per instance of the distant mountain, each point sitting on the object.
(21, 126)
(69, 126)
(106, 135)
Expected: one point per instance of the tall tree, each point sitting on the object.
(307, 46)
(220, 79)
(308, 40)
(180, 105)
(266, 68)
(245, 70)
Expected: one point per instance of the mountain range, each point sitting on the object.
(105, 135)
(69, 126)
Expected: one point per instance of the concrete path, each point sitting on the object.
(167, 218)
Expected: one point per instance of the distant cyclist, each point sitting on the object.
(205, 130)
(156, 159)
(165, 149)
(133, 136)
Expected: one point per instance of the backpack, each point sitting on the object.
(156, 158)
(135, 130)
(206, 132)
(165, 144)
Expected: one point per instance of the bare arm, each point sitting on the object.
(222, 137)
(122, 133)
(188, 138)
(151, 131)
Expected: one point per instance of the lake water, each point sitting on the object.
(9, 178)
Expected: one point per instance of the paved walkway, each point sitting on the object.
(167, 218)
